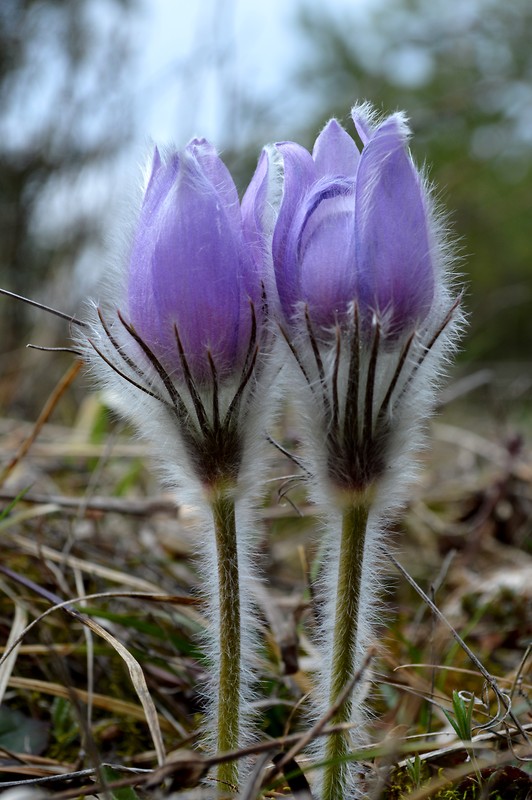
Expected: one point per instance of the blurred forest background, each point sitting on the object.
(73, 115)
(84, 85)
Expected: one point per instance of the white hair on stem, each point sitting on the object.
(387, 388)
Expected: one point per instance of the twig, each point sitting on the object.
(43, 417)
(503, 699)
(113, 505)
(68, 317)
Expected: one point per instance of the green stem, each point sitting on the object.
(346, 631)
(223, 510)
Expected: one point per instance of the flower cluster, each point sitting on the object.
(335, 264)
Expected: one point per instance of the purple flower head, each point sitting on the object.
(355, 227)
(189, 269)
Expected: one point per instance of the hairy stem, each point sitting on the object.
(346, 641)
(223, 510)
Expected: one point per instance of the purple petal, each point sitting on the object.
(320, 269)
(159, 184)
(393, 255)
(253, 206)
(154, 168)
(335, 152)
(215, 171)
(185, 269)
(260, 209)
(299, 173)
(363, 116)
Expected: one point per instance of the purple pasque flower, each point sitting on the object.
(366, 313)
(188, 355)
(189, 269)
(359, 264)
(190, 329)
(355, 227)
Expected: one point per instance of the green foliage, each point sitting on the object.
(65, 724)
(415, 771)
(462, 715)
(20, 733)
(5, 512)
(124, 793)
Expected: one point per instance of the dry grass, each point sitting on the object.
(102, 668)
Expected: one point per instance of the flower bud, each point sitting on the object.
(188, 330)
(355, 227)
(189, 269)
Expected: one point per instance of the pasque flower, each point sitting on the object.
(366, 310)
(184, 342)
(189, 268)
